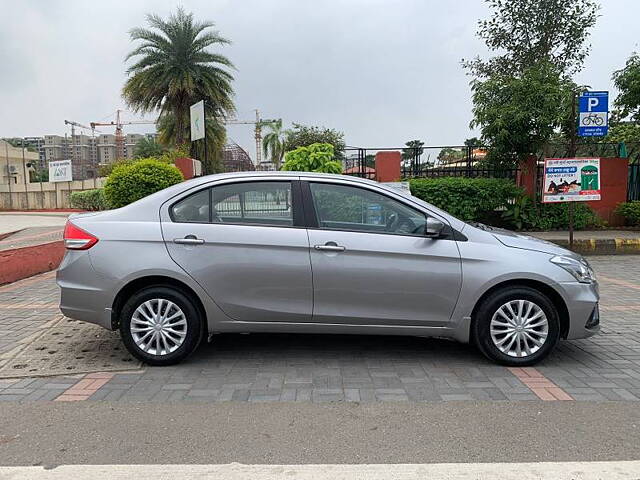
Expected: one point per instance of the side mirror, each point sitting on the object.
(433, 227)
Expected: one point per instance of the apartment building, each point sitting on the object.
(87, 152)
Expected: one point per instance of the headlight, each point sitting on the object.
(581, 270)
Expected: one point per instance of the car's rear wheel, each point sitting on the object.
(516, 326)
(160, 325)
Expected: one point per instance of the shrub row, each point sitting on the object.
(498, 202)
(469, 199)
(89, 200)
(630, 211)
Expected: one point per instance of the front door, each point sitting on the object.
(243, 243)
(371, 263)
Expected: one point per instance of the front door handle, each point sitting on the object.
(330, 247)
(189, 240)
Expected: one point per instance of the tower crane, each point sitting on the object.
(73, 137)
(258, 122)
(119, 133)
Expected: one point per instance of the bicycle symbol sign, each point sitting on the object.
(594, 114)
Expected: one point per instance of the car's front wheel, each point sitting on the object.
(516, 326)
(160, 325)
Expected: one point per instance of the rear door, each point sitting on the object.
(245, 243)
(372, 264)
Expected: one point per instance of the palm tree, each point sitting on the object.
(173, 69)
(273, 142)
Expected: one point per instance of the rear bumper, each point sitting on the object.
(584, 315)
(82, 295)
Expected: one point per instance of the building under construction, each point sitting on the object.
(236, 159)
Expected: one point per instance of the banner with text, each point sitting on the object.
(571, 180)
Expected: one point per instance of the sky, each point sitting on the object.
(381, 71)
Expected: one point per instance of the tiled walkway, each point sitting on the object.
(316, 368)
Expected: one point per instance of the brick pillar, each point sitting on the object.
(614, 178)
(527, 176)
(388, 166)
(188, 166)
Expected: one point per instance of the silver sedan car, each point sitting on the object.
(316, 253)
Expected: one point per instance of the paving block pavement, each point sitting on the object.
(341, 368)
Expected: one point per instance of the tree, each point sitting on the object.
(627, 81)
(174, 68)
(273, 142)
(302, 136)
(517, 115)
(448, 155)
(472, 142)
(317, 157)
(414, 149)
(147, 147)
(529, 31)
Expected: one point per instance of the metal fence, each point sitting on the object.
(471, 161)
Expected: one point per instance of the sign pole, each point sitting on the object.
(572, 154)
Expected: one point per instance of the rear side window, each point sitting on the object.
(192, 209)
(255, 203)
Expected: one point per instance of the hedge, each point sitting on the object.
(130, 182)
(630, 211)
(89, 200)
(469, 199)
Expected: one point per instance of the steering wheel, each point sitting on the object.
(392, 222)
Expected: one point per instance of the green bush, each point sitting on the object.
(317, 157)
(469, 199)
(89, 200)
(630, 211)
(130, 182)
(555, 216)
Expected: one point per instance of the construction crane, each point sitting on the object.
(258, 122)
(73, 138)
(119, 133)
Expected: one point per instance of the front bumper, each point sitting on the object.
(584, 313)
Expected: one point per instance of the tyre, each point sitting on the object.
(516, 326)
(160, 325)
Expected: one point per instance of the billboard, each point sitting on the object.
(571, 180)
(197, 120)
(60, 171)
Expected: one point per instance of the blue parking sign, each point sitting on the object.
(594, 114)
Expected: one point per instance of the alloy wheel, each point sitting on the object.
(158, 326)
(519, 328)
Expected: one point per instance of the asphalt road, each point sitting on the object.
(51, 434)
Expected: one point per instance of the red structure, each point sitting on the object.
(613, 186)
(614, 177)
(189, 167)
(388, 166)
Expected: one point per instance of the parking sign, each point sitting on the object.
(594, 114)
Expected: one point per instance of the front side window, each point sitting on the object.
(257, 203)
(340, 207)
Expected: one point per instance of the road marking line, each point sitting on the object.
(544, 388)
(612, 470)
(87, 386)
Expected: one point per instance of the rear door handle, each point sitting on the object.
(189, 240)
(330, 248)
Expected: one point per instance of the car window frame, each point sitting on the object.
(297, 205)
(311, 216)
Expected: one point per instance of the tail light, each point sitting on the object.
(77, 239)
